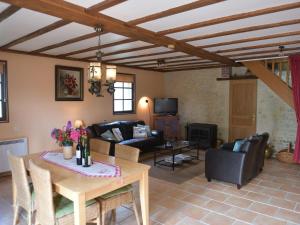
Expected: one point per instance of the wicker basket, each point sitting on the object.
(286, 156)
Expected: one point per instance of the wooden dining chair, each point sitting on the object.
(100, 146)
(124, 195)
(59, 210)
(23, 192)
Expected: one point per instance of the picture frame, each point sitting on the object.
(68, 83)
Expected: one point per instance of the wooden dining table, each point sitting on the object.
(80, 188)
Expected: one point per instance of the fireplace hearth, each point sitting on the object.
(203, 133)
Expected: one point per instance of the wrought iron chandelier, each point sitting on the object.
(95, 71)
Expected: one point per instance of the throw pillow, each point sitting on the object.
(238, 145)
(147, 127)
(118, 134)
(108, 135)
(139, 132)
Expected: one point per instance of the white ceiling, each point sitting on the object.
(25, 21)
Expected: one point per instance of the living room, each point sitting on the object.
(195, 60)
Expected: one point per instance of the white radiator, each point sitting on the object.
(16, 147)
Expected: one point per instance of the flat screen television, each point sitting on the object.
(166, 106)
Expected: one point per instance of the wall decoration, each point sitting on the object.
(68, 83)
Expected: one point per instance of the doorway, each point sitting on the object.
(242, 108)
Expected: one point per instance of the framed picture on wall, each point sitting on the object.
(68, 83)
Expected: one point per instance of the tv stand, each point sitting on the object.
(169, 124)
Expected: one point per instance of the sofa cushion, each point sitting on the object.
(108, 135)
(238, 145)
(102, 127)
(139, 132)
(126, 128)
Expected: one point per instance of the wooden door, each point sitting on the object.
(242, 108)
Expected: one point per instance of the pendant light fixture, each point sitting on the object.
(96, 68)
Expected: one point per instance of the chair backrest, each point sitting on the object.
(127, 152)
(41, 180)
(97, 145)
(20, 180)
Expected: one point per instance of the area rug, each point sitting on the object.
(181, 174)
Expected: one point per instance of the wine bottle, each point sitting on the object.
(79, 152)
(86, 156)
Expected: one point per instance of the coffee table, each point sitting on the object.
(176, 148)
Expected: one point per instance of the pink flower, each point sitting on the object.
(75, 135)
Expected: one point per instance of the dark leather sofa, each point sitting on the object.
(237, 167)
(126, 128)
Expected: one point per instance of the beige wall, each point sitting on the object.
(205, 100)
(33, 111)
(201, 98)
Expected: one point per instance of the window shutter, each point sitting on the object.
(125, 78)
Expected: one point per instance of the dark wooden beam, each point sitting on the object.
(105, 4)
(232, 18)
(193, 68)
(66, 58)
(262, 52)
(154, 59)
(169, 12)
(67, 42)
(170, 62)
(57, 24)
(243, 30)
(97, 47)
(75, 13)
(142, 55)
(8, 12)
(124, 51)
(173, 11)
(286, 34)
(37, 33)
(259, 46)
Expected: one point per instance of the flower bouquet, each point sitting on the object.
(67, 136)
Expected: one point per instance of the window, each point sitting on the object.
(123, 99)
(3, 92)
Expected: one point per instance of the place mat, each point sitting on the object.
(97, 169)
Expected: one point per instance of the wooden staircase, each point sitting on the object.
(276, 75)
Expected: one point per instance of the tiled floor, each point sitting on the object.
(272, 198)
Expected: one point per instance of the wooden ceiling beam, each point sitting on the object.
(123, 51)
(68, 11)
(242, 30)
(230, 18)
(139, 56)
(8, 12)
(192, 68)
(173, 11)
(167, 62)
(97, 47)
(67, 42)
(58, 24)
(262, 52)
(169, 12)
(105, 5)
(259, 46)
(286, 34)
(154, 54)
(37, 33)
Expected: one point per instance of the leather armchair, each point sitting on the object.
(234, 167)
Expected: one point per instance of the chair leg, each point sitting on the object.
(29, 216)
(114, 214)
(102, 218)
(16, 214)
(98, 222)
(136, 213)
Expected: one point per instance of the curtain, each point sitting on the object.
(295, 70)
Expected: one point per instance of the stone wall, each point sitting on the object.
(275, 117)
(201, 98)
